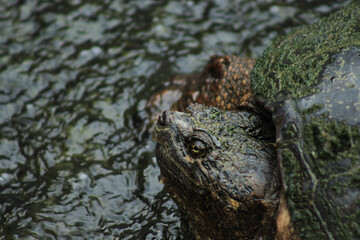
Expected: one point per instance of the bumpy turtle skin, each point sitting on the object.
(310, 80)
(224, 83)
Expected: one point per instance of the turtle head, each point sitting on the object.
(220, 169)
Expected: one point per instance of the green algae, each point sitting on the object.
(294, 62)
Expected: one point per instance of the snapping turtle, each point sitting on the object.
(286, 163)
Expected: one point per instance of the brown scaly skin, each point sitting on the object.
(219, 84)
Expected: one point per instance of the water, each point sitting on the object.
(76, 156)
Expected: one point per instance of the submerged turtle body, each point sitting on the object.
(309, 82)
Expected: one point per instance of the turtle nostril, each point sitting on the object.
(163, 118)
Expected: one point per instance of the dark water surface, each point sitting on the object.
(76, 156)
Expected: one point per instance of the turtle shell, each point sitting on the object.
(310, 81)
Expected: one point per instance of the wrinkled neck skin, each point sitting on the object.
(231, 190)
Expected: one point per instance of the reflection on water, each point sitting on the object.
(76, 158)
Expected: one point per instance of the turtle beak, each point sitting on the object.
(171, 121)
(160, 127)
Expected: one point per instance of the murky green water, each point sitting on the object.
(76, 157)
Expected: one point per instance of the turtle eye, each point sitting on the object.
(197, 148)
